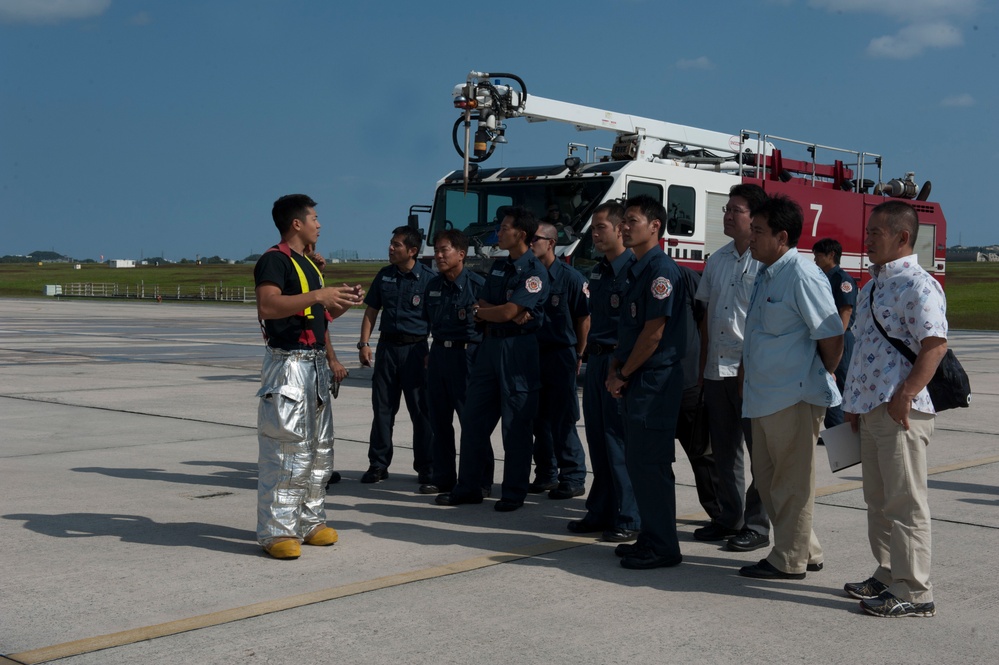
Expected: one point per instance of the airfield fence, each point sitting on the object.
(143, 291)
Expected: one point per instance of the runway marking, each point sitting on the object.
(546, 546)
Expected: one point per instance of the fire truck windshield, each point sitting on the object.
(565, 202)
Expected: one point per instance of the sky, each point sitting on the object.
(141, 128)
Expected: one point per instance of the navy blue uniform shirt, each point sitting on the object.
(656, 290)
(523, 282)
(400, 297)
(844, 291)
(608, 283)
(568, 300)
(448, 306)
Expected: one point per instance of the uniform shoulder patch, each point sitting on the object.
(533, 284)
(661, 288)
(586, 289)
(846, 287)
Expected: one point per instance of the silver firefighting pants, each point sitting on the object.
(295, 435)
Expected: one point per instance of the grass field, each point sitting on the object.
(972, 288)
(29, 280)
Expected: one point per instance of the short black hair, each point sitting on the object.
(410, 236)
(829, 246)
(754, 194)
(457, 239)
(523, 220)
(613, 209)
(651, 208)
(288, 208)
(783, 214)
(900, 216)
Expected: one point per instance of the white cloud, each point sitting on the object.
(958, 100)
(702, 62)
(142, 18)
(926, 24)
(913, 39)
(50, 11)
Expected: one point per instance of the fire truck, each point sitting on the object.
(689, 170)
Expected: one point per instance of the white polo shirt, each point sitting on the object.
(726, 285)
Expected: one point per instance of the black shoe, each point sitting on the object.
(890, 607)
(424, 478)
(584, 526)
(814, 567)
(869, 588)
(628, 549)
(566, 491)
(334, 479)
(764, 570)
(507, 506)
(748, 540)
(714, 531)
(452, 499)
(539, 486)
(374, 475)
(429, 488)
(619, 535)
(820, 442)
(645, 558)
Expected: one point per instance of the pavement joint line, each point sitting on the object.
(145, 633)
(858, 484)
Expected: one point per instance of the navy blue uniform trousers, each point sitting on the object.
(503, 386)
(650, 407)
(558, 451)
(611, 501)
(400, 370)
(447, 387)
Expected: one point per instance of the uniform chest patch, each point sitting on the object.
(461, 314)
(661, 288)
(555, 301)
(417, 300)
(846, 287)
(615, 300)
(533, 284)
(634, 310)
(435, 294)
(509, 294)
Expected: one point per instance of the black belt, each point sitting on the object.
(401, 338)
(600, 349)
(453, 344)
(506, 332)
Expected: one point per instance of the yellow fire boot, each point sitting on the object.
(322, 535)
(284, 549)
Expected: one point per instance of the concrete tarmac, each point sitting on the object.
(127, 529)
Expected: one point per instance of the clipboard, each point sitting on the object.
(842, 445)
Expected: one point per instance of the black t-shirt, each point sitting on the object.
(298, 331)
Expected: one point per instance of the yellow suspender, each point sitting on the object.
(304, 282)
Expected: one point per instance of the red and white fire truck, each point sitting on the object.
(689, 170)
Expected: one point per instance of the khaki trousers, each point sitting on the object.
(784, 470)
(898, 513)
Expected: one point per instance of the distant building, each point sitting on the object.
(122, 263)
(964, 254)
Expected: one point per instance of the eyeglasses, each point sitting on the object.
(537, 238)
(733, 209)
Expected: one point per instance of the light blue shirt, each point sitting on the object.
(791, 307)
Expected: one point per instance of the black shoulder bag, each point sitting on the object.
(949, 388)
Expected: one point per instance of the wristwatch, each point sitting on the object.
(361, 345)
(620, 375)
